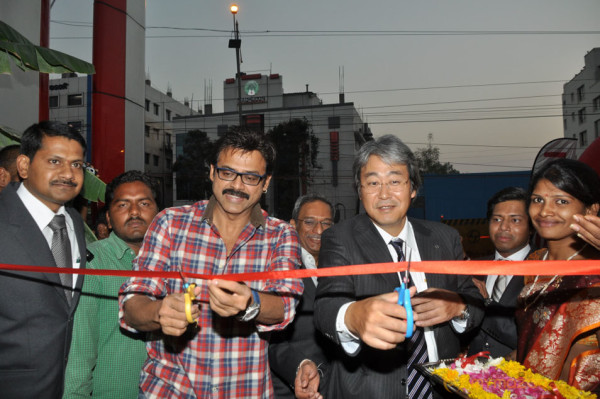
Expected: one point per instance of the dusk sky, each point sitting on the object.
(483, 77)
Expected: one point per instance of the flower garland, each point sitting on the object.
(498, 378)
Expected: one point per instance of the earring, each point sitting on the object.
(265, 191)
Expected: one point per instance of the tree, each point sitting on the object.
(193, 167)
(429, 162)
(297, 149)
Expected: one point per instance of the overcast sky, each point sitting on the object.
(477, 74)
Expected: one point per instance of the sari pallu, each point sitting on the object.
(552, 319)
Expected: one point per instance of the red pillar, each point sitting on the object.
(108, 109)
(44, 111)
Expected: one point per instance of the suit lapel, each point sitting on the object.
(81, 245)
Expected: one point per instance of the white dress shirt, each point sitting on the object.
(491, 280)
(43, 215)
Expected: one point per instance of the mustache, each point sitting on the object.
(134, 218)
(237, 193)
(64, 182)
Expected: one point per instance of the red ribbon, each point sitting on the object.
(464, 360)
(471, 267)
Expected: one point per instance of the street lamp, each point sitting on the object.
(237, 44)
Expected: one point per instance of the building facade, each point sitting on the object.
(70, 100)
(581, 103)
(337, 127)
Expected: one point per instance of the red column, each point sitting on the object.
(44, 111)
(108, 109)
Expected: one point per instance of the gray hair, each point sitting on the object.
(391, 150)
(306, 199)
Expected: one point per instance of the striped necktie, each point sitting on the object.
(417, 385)
(61, 250)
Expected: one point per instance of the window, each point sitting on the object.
(597, 104)
(147, 131)
(583, 139)
(76, 125)
(53, 101)
(597, 129)
(334, 122)
(148, 105)
(572, 97)
(74, 100)
(572, 116)
(168, 139)
(168, 112)
(156, 109)
(169, 162)
(156, 133)
(581, 114)
(580, 93)
(155, 159)
(146, 158)
(565, 124)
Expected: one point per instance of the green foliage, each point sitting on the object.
(27, 55)
(297, 149)
(193, 167)
(429, 162)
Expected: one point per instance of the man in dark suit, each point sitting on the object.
(36, 309)
(297, 354)
(360, 313)
(510, 232)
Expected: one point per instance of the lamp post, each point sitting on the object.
(237, 44)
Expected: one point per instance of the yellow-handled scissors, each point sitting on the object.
(189, 296)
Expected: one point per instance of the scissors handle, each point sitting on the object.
(189, 298)
(404, 300)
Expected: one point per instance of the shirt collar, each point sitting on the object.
(256, 216)
(40, 211)
(407, 235)
(308, 260)
(521, 254)
(120, 247)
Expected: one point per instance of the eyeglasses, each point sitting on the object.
(250, 179)
(395, 186)
(312, 223)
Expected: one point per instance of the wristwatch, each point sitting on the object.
(252, 310)
(464, 315)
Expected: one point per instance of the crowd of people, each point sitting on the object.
(342, 336)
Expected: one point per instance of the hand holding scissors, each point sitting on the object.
(404, 300)
(189, 296)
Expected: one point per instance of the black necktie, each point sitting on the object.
(61, 250)
(418, 386)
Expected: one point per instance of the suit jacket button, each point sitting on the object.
(487, 344)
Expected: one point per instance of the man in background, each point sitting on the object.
(509, 229)
(105, 361)
(296, 354)
(8, 164)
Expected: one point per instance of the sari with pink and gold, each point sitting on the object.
(554, 313)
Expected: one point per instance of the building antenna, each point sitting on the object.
(341, 83)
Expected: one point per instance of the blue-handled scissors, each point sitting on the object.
(404, 300)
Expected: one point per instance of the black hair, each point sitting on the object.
(246, 141)
(507, 194)
(573, 177)
(31, 141)
(307, 199)
(8, 155)
(130, 176)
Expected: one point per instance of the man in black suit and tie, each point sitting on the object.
(36, 309)
(296, 354)
(360, 313)
(510, 232)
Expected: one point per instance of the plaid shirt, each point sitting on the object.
(223, 357)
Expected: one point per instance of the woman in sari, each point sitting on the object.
(559, 316)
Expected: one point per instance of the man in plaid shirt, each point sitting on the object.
(224, 355)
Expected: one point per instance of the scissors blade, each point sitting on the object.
(185, 283)
(407, 275)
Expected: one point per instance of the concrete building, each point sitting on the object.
(581, 103)
(338, 128)
(70, 100)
